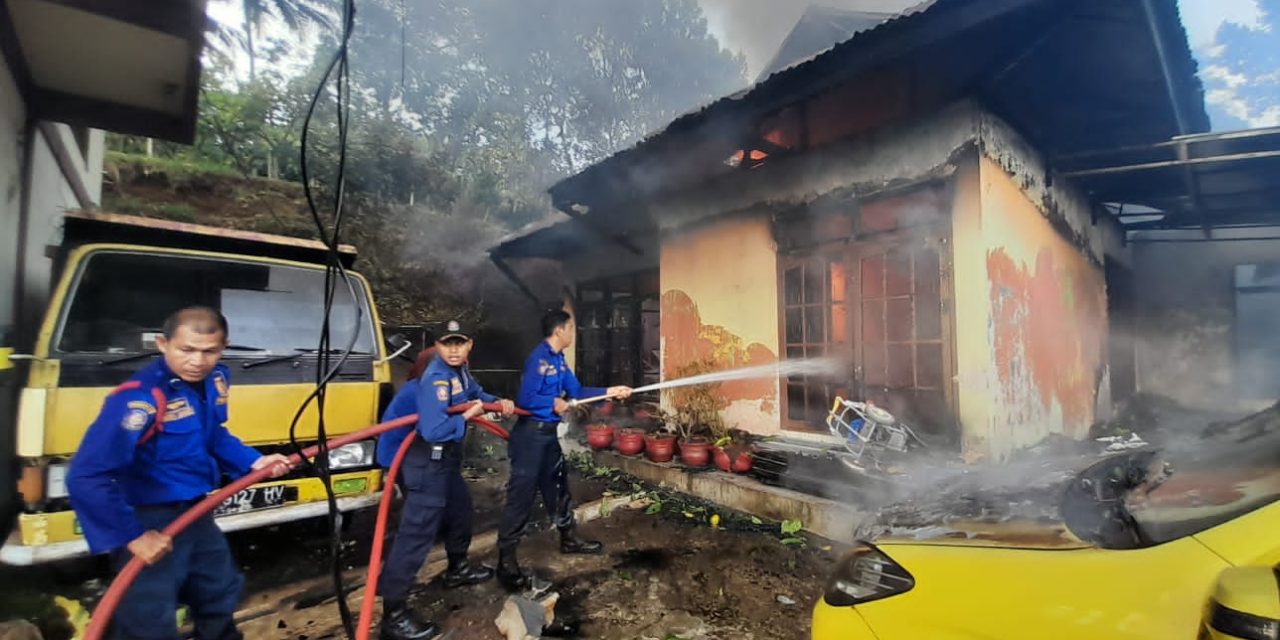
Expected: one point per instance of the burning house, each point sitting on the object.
(935, 199)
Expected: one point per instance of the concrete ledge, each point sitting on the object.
(827, 518)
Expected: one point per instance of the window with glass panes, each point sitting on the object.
(815, 325)
(617, 330)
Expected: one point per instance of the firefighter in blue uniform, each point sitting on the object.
(436, 496)
(158, 446)
(403, 403)
(537, 462)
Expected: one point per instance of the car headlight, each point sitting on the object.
(348, 456)
(55, 481)
(863, 575)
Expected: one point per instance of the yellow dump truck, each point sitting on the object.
(120, 276)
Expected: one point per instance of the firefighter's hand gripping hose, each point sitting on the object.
(106, 607)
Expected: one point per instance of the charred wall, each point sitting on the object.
(1185, 332)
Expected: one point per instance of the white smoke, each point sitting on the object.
(755, 28)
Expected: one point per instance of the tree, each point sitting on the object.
(573, 79)
(295, 14)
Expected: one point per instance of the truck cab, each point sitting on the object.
(120, 276)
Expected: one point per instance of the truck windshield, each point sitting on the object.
(119, 300)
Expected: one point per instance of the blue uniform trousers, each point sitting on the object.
(537, 466)
(200, 573)
(437, 503)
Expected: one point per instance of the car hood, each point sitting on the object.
(1027, 534)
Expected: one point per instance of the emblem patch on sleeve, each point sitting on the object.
(220, 385)
(135, 419)
(442, 394)
(142, 406)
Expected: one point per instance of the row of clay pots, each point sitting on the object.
(659, 447)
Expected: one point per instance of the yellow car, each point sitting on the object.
(1154, 544)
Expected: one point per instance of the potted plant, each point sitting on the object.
(629, 441)
(733, 452)
(599, 436)
(695, 415)
(660, 445)
(603, 420)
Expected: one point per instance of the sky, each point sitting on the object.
(1237, 45)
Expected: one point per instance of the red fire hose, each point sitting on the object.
(111, 599)
(379, 530)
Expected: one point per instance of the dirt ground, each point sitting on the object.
(666, 572)
(659, 578)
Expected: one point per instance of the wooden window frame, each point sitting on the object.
(635, 282)
(827, 255)
(847, 254)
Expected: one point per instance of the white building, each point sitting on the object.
(70, 70)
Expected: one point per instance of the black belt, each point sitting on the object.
(449, 450)
(540, 427)
(168, 506)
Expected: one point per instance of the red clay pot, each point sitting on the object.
(599, 436)
(660, 447)
(722, 460)
(734, 459)
(630, 441)
(695, 451)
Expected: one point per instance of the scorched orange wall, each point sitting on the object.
(719, 301)
(1031, 319)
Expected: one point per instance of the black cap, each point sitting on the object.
(453, 329)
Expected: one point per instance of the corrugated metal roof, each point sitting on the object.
(818, 30)
(924, 25)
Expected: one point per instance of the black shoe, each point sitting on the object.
(570, 543)
(510, 575)
(400, 623)
(465, 573)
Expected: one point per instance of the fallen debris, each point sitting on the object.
(522, 618)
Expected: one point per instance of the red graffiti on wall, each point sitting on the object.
(1048, 331)
(686, 339)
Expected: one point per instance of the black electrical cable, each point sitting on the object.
(326, 369)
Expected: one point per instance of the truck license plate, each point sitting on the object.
(255, 498)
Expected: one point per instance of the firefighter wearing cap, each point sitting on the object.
(537, 462)
(158, 446)
(436, 496)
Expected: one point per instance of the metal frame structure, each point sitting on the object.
(1204, 181)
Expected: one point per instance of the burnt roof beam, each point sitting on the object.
(1243, 219)
(591, 223)
(1147, 166)
(514, 278)
(1190, 140)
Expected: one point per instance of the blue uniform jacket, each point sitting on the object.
(404, 403)
(112, 473)
(545, 378)
(441, 387)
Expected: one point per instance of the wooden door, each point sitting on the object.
(902, 346)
